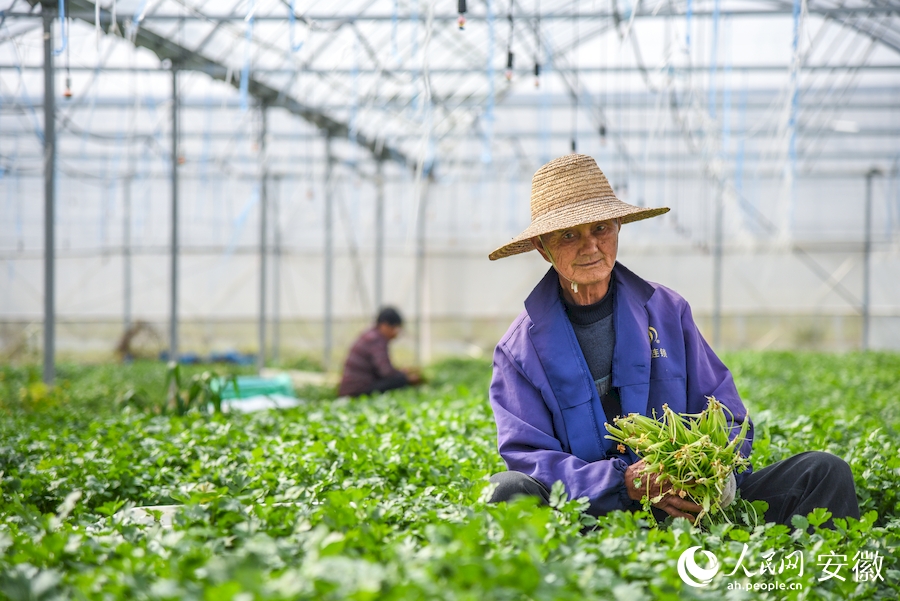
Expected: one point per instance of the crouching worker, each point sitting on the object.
(368, 368)
(596, 341)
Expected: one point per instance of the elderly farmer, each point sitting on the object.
(368, 368)
(596, 341)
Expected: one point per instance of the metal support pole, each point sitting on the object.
(379, 235)
(263, 210)
(276, 272)
(49, 200)
(867, 260)
(420, 268)
(329, 253)
(126, 255)
(717, 271)
(173, 286)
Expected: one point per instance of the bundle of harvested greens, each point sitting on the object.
(691, 452)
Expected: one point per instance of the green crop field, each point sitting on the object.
(384, 498)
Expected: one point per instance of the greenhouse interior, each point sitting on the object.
(256, 344)
(222, 167)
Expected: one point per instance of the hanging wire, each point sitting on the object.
(114, 21)
(792, 120)
(293, 24)
(205, 158)
(488, 119)
(739, 154)
(36, 122)
(425, 152)
(725, 146)
(726, 105)
(414, 29)
(414, 105)
(394, 20)
(136, 20)
(713, 61)
(576, 92)
(63, 28)
(353, 128)
(248, 45)
(537, 44)
(97, 29)
(545, 111)
(689, 13)
(110, 180)
(67, 93)
(509, 43)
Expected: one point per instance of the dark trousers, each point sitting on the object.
(799, 484)
(794, 486)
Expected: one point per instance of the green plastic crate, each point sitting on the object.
(250, 386)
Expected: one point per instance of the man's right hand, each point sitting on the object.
(414, 376)
(671, 503)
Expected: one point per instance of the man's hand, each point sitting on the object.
(639, 484)
(414, 376)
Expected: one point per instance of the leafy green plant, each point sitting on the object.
(136, 399)
(29, 393)
(383, 498)
(690, 452)
(300, 363)
(201, 392)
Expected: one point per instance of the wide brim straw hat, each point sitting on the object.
(568, 192)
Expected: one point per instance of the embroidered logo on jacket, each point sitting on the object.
(655, 350)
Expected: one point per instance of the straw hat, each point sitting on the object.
(567, 192)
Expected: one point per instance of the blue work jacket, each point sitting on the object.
(550, 421)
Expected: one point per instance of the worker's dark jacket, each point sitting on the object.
(367, 364)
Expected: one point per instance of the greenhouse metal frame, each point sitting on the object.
(257, 162)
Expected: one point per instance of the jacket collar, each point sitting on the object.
(555, 343)
(558, 349)
(631, 359)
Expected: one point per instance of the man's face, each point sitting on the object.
(388, 331)
(584, 254)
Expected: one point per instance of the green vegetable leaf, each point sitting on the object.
(558, 494)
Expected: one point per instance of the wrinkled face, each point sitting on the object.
(584, 254)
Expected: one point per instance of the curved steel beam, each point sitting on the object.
(186, 59)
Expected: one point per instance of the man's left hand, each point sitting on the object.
(671, 502)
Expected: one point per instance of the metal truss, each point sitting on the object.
(183, 58)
